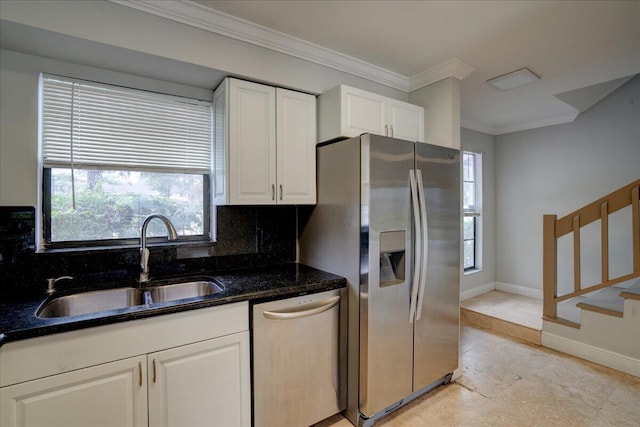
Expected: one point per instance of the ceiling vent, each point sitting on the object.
(514, 79)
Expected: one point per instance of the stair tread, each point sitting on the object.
(632, 291)
(607, 299)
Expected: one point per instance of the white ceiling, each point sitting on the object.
(570, 44)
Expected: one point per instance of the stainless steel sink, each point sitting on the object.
(119, 298)
(184, 290)
(91, 302)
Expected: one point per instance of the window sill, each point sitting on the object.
(120, 247)
(472, 271)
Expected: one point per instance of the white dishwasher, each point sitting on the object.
(299, 363)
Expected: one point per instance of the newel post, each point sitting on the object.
(549, 266)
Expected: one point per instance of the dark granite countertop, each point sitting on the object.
(18, 320)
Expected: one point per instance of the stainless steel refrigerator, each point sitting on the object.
(388, 219)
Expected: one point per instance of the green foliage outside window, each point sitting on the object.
(113, 204)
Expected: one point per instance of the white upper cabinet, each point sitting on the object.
(296, 147)
(362, 112)
(264, 145)
(406, 121)
(245, 118)
(347, 112)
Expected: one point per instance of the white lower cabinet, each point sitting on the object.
(182, 377)
(202, 384)
(112, 394)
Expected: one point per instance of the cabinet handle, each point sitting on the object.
(154, 371)
(391, 127)
(280, 191)
(386, 130)
(140, 374)
(273, 192)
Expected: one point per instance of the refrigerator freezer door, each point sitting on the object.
(437, 329)
(386, 336)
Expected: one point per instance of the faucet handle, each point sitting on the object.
(144, 259)
(144, 265)
(51, 282)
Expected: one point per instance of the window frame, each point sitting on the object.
(475, 213)
(44, 242)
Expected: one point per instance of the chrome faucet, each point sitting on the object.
(144, 252)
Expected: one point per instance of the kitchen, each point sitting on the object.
(94, 299)
(246, 236)
(272, 239)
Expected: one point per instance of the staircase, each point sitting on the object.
(609, 301)
(600, 322)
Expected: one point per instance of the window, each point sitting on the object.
(113, 155)
(472, 206)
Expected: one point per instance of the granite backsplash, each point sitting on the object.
(247, 236)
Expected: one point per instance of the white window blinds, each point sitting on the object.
(91, 125)
(471, 166)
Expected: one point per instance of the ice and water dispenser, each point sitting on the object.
(393, 251)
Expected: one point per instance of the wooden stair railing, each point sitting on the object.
(554, 228)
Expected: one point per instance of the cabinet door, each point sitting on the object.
(406, 121)
(296, 147)
(202, 384)
(252, 143)
(112, 394)
(220, 185)
(362, 112)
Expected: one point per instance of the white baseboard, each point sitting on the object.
(501, 286)
(478, 290)
(599, 355)
(520, 290)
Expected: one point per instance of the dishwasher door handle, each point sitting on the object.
(289, 315)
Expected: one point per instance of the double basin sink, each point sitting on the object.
(120, 298)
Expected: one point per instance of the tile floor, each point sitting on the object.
(506, 382)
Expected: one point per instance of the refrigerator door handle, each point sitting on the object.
(425, 243)
(418, 244)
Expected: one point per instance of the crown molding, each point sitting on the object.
(202, 17)
(451, 68)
